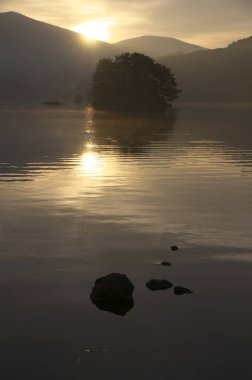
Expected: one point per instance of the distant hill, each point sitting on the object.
(219, 75)
(245, 43)
(156, 47)
(43, 62)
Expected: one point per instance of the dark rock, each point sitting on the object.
(165, 264)
(159, 284)
(113, 288)
(121, 308)
(179, 290)
(174, 248)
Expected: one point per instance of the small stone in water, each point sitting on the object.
(159, 284)
(165, 264)
(174, 248)
(179, 290)
(92, 350)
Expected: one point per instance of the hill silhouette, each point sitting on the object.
(219, 75)
(156, 46)
(42, 61)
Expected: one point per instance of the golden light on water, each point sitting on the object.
(90, 163)
(90, 145)
(94, 30)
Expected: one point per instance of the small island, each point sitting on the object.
(132, 82)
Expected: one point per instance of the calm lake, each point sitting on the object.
(86, 193)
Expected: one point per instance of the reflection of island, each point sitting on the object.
(128, 133)
(36, 141)
(33, 142)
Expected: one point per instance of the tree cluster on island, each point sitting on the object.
(132, 82)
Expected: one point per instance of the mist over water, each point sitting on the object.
(86, 193)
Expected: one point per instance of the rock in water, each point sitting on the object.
(113, 288)
(174, 248)
(165, 264)
(159, 284)
(119, 308)
(179, 290)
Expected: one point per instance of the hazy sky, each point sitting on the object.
(211, 23)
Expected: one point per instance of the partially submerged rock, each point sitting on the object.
(121, 308)
(159, 284)
(179, 290)
(165, 263)
(111, 289)
(174, 248)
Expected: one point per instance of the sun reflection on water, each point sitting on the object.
(89, 131)
(91, 163)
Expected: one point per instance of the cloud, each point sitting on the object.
(211, 22)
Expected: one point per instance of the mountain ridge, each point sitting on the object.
(40, 62)
(43, 61)
(216, 75)
(157, 46)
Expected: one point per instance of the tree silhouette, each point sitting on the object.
(132, 82)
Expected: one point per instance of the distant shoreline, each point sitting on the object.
(72, 106)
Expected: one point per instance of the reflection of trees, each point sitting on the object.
(33, 142)
(36, 141)
(129, 133)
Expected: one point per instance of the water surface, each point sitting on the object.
(86, 193)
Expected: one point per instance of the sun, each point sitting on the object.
(94, 30)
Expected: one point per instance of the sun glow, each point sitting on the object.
(91, 163)
(94, 30)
